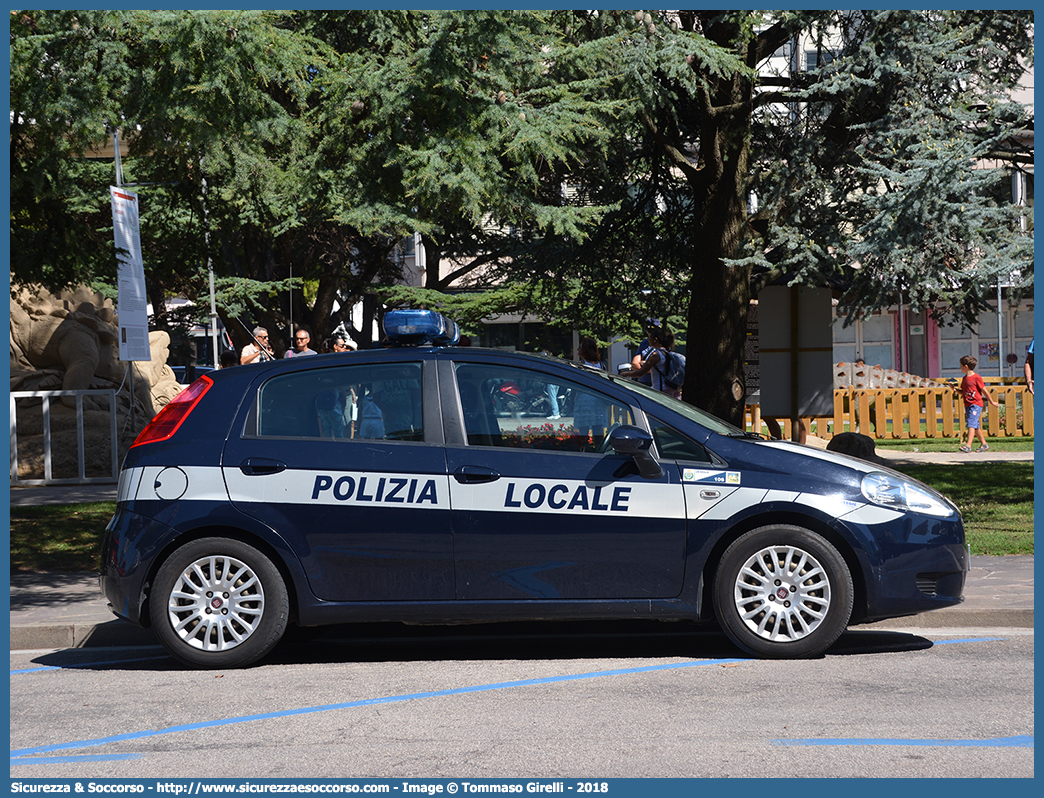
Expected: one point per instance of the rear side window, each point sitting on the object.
(358, 402)
(517, 408)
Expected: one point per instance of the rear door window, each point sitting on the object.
(356, 402)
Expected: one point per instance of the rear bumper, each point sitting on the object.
(130, 546)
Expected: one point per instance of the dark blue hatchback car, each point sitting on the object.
(397, 484)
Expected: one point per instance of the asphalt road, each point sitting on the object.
(622, 701)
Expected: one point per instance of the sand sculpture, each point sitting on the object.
(68, 341)
(850, 375)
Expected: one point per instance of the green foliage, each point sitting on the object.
(996, 500)
(175, 83)
(457, 129)
(890, 173)
(265, 142)
(469, 310)
(600, 166)
(866, 172)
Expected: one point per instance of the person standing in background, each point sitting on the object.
(301, 339)
(644, 350)
(973, 390)
(655, 364)
(589, 355)
(1028, 368)
(259, 350)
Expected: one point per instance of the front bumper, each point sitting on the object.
(919, 581)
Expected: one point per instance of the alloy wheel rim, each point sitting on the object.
(782, 593)
(216, 603)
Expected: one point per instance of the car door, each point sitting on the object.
(365, 504)
(707, 479)
(540, 510)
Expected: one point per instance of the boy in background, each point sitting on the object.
(973, 389)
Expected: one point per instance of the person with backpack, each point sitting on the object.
(674, 368)
(666, 367)
(644, 348)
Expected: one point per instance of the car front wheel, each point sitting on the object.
(218, 603)
(783, 592)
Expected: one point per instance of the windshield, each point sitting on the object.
(701, 417)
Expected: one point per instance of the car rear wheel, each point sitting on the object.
(783, 591)
(218, 603)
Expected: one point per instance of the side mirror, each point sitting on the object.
(636, 443)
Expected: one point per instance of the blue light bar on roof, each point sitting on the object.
(406, 326)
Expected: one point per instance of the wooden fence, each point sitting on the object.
(913, 413)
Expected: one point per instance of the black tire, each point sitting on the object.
(218, 603)
(768, 612)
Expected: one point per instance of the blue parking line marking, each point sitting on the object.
(1020, 741)
(62, 760)
(286, 713)
(23, 756)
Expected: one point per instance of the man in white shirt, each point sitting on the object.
(256, 352)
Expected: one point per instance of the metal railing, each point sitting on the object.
(48, 478)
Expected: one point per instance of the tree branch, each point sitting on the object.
(677, 157)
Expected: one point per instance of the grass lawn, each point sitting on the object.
(58, 537)
(996, 500)
(1024, 444)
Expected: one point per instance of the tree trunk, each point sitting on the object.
(719, 297)
(432, 257)
(716, 340)
(719, 293)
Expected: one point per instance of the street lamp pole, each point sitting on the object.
(210, 272)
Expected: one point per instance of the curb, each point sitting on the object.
(112, 634)
(958, 618)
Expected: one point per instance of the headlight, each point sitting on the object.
(902, 494)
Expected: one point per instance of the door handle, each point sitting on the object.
(475, 474)
(260, 466)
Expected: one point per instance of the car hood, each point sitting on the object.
(844, 460)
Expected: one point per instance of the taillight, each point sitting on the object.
(167, 420)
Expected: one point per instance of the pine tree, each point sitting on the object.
(599, 167)
(867, 170)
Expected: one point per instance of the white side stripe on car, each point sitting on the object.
(702, 500)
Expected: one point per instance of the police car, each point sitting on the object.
(382, 485)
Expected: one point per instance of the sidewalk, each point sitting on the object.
(36, 495)
(68, 611)
(956, 457)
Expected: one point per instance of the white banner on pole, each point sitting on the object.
(132, 303)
